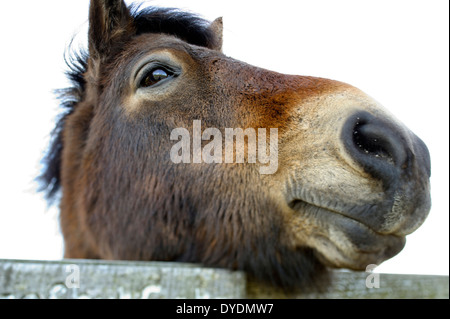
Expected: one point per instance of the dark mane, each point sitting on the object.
(186, 26)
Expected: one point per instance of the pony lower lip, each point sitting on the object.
(370, 242)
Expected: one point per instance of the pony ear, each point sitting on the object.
(110, 21)
(217, 28)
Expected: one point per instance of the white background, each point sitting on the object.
(396, 51)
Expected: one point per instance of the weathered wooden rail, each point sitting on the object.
(120, 279)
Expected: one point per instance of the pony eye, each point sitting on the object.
(155, 76)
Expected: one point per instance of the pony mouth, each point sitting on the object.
(346, 242)
(300, 205)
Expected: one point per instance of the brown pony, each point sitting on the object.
(350, 181)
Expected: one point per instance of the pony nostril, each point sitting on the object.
(376, 145)
(370, 140)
